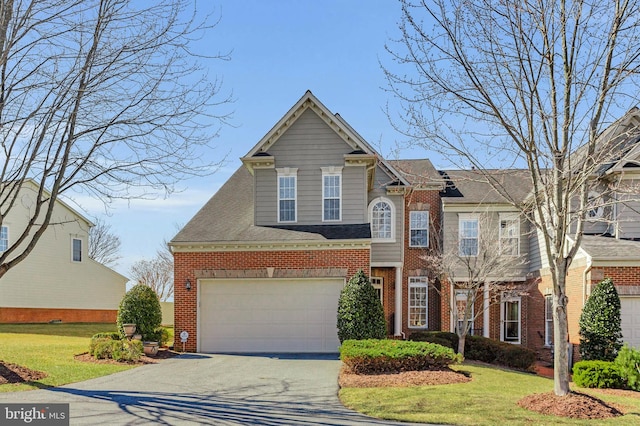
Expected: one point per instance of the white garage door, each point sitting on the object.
(269, 315)
(630, 316)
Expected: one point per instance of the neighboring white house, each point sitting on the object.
(58, 280)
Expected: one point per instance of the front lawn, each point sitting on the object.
(50, 348)
(489, 399)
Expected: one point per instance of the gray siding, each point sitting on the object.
(390, 252)
(628, 214)
(308, 145)
(513, 267)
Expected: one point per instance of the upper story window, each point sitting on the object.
(468, 235)
(595, 209)
(4, 238)
(381, 216)
(287, 194)
(331, 194)
(76, 249)
(509, 234)
(419, 229)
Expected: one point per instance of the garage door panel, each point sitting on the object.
(269, 315)
(630, 320)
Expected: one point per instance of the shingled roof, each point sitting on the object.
(473, 186)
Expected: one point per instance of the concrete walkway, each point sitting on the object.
(209, 389)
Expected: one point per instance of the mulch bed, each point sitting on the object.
(575, 405)
(14, 373)
(348, 379)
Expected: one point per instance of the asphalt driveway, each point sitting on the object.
(209, 389)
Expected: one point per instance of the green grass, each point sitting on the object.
(489, 399)
(51, 348)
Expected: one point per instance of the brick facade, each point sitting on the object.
(43, 315)
(414, 265)
(188, 265)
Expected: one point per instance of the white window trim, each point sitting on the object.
(7, 228)
(548, 337)
(73, 240)
(377, 283)
(510, 298)
(372, 204)
(282, 173)
(509, 217)
(411, 228)
(421, 282)
(332, 171)
(463, 218)
(595, 209)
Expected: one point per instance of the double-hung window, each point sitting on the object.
(382, 216)
(287, 194)
(510, 316)
(418, 302)
(509, 234)
(4, 238)
(331, 194)
(419, 229)
(548, 320)
(468, 235)
(76, 249)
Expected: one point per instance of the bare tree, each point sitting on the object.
(104, 245)
(476, 275)
(157, 273)
(102, 98)
(522, 82)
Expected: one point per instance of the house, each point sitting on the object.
(260, 267)
(57, 281)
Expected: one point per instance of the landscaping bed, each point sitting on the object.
(14, 373)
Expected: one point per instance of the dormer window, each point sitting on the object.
(287, 194)
(381, 213)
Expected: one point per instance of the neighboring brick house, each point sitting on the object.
(260, 267)
(57, 280)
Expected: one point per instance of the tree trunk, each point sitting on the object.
(560, 337)
(461, 339)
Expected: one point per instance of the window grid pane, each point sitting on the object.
(381, 221)
(511, 321)
(419, 229)
(510, 237)
(77, 250)
(418, 294)
(4, 238)
(468, 237)
(548, 314)
(331, 196)
(287, 198)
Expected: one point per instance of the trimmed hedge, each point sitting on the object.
(483, 349)
(598, 374)
(444, 338)
(374, 356)
(360, 313)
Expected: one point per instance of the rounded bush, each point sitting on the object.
(628, 363)
(140, 306)
(444, 338)
(360, 313)
(600, 330)
(598, 374)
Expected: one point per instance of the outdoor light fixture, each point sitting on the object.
(187, 284)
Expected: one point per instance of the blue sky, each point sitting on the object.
(279, 49)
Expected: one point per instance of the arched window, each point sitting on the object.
(381, 213)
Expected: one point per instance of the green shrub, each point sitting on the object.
(444, 338)
(160, 335)
(140, 306)
(127, 350)
(628, 363)
(110, 335)
(374, 356)
(597, 374)
(360, 313)
(600, 330)
(491, 351)
(119, 350)
(481, 349)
